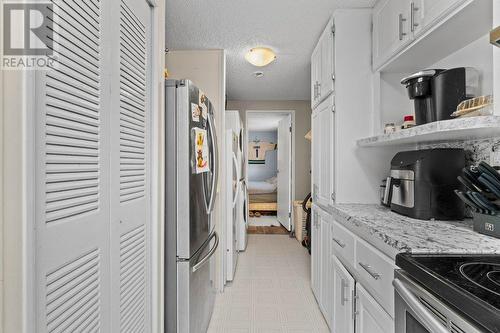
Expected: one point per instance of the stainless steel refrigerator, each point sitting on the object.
(191, 182)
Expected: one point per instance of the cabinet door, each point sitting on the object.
(371, 317)
(316, 75)
(316, 155)
(390, 29)
(327, 64)
(326, 132)
(326, 271)
(428, 12)
(343, 297)
(315, 255)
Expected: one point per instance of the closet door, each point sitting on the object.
(71, 245)
(130, 166)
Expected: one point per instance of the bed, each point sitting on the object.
(263, 195)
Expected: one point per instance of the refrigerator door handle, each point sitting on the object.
(209, 254)
(215, 166)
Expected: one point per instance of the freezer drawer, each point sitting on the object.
(196, 289)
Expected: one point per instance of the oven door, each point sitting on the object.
(418, 311)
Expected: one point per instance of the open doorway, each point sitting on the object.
(270, 139)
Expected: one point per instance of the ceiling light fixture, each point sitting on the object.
(260, 56)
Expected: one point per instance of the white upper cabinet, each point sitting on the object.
(390, 28)
(397, 23)
(323, 124)
(427, 12)
(322, 66)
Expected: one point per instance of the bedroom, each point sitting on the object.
(269, 170)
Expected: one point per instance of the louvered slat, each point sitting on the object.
(72, 107)
(73, 294)
(132, 106)
(132, 280)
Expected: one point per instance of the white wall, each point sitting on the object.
(207, 68)
(302, 162)
(260, 172)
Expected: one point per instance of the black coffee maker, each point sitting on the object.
(437, 92)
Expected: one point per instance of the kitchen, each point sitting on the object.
(405, 131)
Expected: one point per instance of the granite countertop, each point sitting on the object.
(392, 233)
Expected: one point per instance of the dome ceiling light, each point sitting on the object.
(260, 56)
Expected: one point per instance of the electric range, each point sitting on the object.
(469, 284)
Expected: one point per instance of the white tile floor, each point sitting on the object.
(271, 291)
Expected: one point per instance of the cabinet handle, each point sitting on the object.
(368, 269)
(343, 287)
(339, 243)
(401, 27)
(319, 89)
(413, 9)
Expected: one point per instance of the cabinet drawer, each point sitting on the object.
(343, 244)
(376, 273)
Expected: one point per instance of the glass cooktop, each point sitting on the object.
(469, 283)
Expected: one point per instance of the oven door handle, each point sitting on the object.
(425, 317)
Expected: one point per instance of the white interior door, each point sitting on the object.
(131, 166)
(285, 172)
(93, 174)
(72, 263)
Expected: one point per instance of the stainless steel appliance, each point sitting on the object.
(437, 93)
(423, 182)
(440, 293)
(418, 311)
(191, 181)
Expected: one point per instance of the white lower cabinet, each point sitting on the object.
(351, 280)
(315, 254)
(343, 299)
(321, 264)
(370, 316)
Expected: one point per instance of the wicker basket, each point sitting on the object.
(299, 221)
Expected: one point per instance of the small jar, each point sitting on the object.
(389, 128)
(409, 121)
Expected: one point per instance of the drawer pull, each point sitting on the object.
(368, 269)
(339, 243)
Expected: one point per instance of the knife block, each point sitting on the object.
(487, 224)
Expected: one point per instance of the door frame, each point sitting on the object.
(291, 113)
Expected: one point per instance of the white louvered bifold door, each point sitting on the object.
(71, 249)
(130, 168)
(92, 173)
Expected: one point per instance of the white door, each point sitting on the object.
(93, 171)
(344, 287)
(391, 28)
(285, 172)
(324, 150)
(326, 268)
(315, 254)
(72, 176)
(370, 316)
(327, 60)
(428, 12)
(130, 176)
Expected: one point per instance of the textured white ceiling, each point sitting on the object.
(290, 27)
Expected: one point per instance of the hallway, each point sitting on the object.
(271, 291)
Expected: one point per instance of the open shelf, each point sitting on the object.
(473, 128)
